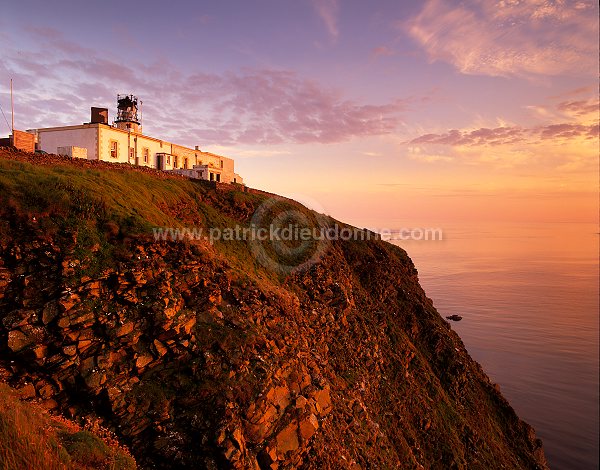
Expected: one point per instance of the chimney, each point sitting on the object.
(99, 116)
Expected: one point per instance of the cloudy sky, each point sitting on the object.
(384, 114)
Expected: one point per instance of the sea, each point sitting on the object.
(529, 298)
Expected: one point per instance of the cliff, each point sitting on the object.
(220, 355)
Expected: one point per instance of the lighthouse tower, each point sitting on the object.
(127, 113)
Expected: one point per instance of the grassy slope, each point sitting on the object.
(64, 199)
(99, 199)
(32, 439)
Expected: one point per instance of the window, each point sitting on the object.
(185, 163)
(114, 149)
(146, 154)
(221, 163)
(131, 153)
(218, 176)
(175, 161)
(168, 159)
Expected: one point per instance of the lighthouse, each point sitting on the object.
(127, 113)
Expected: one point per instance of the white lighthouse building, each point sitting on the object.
(123, 142)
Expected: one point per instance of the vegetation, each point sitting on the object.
(98, 205)
(32, 439)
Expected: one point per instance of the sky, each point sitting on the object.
(384, 114)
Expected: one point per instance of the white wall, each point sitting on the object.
(123, 139)
(126, 141)
(85, 137)
(154, 147)
(97, 138)
(214, 161)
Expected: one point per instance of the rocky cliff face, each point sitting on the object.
(198, 356)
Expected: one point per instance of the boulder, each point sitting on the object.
(308, 427)
(143, 360)
(17, 340)
(323, 401)
(287, 439)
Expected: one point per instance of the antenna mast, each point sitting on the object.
(12, 109)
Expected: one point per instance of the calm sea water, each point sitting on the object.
(528, 295)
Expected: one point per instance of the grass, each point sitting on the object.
(32, 439)
(101, 207)
(129, 198)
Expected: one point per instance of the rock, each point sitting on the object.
(44, 389)
(40, 351)
(64, 322)
(68, 301)
(261, 423)
(454, 317)
(70, 350)
(279, 397)
(49, 313)
(17, 340)
(238, 438)
(268, 458)
(143, 361)
(287, 440)
(83, 345)
(323, 401)
(27, 390)
(234, 447)
(94, 288)
(301, 402)
(188, 325)
(95, 378)
(82, 318)
(87, 365)
(49, 404)
(169, 312)
(124, 330)
(231, 452)
(161, 350)
(308, 427)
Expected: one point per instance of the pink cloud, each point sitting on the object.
(508, 38)
(266, 106)
(274, 106)
(382, 51)
(328, 12)
(482, 136)
(507, 135)
(568, 131)
(580, 107)
(56, 40)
